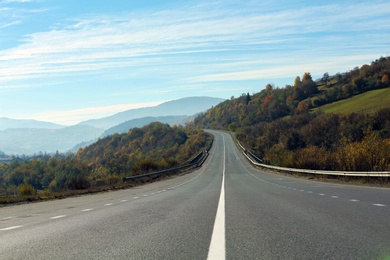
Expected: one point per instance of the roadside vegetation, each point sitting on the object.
(339, 122)
(102, 165)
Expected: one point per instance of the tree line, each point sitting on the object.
(319, 141)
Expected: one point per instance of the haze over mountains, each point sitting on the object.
(6, 123)
(30, 136)
(185, 106)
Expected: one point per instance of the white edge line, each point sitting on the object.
(57, 217)
(10, 228)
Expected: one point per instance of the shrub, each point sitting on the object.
(27, 190)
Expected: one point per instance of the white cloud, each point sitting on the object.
(131, 40)
(274, 70)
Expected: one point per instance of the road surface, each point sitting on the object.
(225, 210)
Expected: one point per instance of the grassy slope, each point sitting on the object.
(368, 102)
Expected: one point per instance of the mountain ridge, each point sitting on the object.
(140, 122)
(7, 123)
(184, 106)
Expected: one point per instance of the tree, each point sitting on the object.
(339, 77)
(269, 88)
(385, 80)
(303, 107)
(247, 98)
(308, 85)
(325, 78)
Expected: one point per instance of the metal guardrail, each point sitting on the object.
(197, 161)
(254, 161)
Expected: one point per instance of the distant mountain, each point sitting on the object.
(30, 136)
(29, 141)
(185, 106)
(140, 122)
(6, 123)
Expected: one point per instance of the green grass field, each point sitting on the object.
(368, 102)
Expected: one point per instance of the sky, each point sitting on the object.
(66, 61)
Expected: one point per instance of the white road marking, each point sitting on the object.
(321, 194)
(10, 228)
(57, 217)
(135, 198)
(123, 200)
(7, 218)
(108, 204)
(217, 249)
(85, 210)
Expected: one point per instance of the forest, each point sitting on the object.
(285, 126)
(151, 148)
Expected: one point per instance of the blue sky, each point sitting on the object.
(65, 61)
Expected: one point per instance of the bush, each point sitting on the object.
(27, 190)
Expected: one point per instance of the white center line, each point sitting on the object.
(353, 200)
(108, 204)
(217, 249)
(7, 218)
(10, 228)
(85, 210)
(379, 205)
(57, 217)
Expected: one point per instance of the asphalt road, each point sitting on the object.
(226, 209)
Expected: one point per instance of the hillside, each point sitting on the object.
(277, 125)
(153, 147)
(185, 106)
(140, 122)
(369, 102)
(167, 146)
